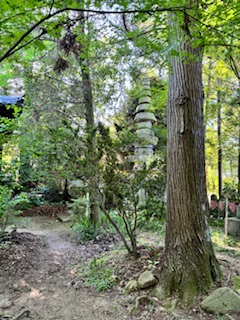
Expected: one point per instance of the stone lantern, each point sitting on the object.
(144, 119)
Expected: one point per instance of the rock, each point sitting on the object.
(132, 285)
(238, 291)
(146, 280)
(234, 226)
(222, 301)
(64, 217)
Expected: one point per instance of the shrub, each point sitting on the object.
(8, 205)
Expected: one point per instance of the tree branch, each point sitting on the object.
(14, 48)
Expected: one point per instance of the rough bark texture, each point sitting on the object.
(189, 265)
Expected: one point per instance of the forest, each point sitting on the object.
(120, 159)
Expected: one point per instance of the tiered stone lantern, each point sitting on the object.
(144, 118)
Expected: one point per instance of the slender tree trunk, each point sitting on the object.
(89, 112)
(189, 263)
(219, 122)
(239, 159)
(1, 150)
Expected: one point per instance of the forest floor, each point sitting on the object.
(41, 276)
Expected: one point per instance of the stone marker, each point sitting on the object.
(238, 211)
(234, 226)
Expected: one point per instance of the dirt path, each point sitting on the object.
(47, 290)
(39, 279)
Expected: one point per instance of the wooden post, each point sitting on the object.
(226, 218)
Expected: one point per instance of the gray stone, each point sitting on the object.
(64, 217)
(145, 99)
(221, 301)
(142, 107)
(145, 116)
(146, 280)
(238, 212)
(144, 132)
(234, 226)
(132, 285)
(144, 124)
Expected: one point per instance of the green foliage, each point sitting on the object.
(86, 229)
(230, 191)
(220, 241)
(107, 227)
(236, 281)
(8, 205)
(78, 206)
(152, 223)
(34, 199)
(216, 223)
(98, 275)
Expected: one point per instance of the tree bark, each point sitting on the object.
(219, 121)
(239, 159)
(90, 124)
(189, 263)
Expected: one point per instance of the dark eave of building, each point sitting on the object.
(7, 104)
(8, 100)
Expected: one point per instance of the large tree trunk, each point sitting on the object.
(189, 264)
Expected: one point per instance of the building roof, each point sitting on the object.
(4, 100)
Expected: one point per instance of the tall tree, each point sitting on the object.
(189, 265)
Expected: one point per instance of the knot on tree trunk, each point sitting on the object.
(181, 99)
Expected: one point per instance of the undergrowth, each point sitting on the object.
(88, 231)
(221, 242)
(97, 275)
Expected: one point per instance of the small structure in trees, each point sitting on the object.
(7, 111)
(5, 105)
(144, 118)
(146, 140)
